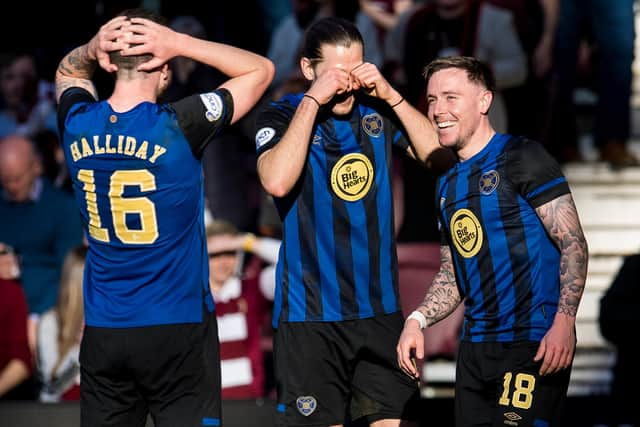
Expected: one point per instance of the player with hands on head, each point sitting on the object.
(326, 156)
(512, 249)
(150, 344)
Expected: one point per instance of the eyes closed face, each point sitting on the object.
(455, 107)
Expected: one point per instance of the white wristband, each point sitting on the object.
(417, 315)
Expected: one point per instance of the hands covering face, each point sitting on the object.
(337, 82)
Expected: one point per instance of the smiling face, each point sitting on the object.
(457, 107)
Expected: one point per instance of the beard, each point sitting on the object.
(342, 104)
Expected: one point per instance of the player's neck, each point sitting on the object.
(477, 142)
(127, 94)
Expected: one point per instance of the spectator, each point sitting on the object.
(243, 291)
(59, 334)
(535, 22)
(28, 104)
(385, 13)
(611, 24)
(619, 312)
(38, 220)
(51, 158)
(15, 356)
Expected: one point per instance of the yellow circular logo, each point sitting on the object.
(351, 177)
(466, 233)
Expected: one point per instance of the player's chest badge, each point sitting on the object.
(489, 182)
(372, 124)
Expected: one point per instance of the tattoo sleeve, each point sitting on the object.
(561, 221)
(76, 69)
(443, 296)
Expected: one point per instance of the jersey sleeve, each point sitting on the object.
(535, 174)
(68, 99)
(271, 124)
(203, 116)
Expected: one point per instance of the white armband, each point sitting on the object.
(417, 315)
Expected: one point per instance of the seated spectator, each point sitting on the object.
(59, 334)
(242, 291)
(40, 222)
(15, 355)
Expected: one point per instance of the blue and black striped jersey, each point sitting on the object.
(338, 256)
(138, 182)
(506, 265)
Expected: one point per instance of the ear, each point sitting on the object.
(307, 69)
(165, 71)
(486, 97)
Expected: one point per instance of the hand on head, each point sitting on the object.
(110, 38)
(147, 37)
(134, 36)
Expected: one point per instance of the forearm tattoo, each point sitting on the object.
(560, 218)
(443, 296)
(76, 69)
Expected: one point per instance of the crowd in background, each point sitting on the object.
(539, 50)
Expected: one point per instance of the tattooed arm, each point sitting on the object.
(77, 67)
(561, 221)
(443, 296)
(441, 300)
